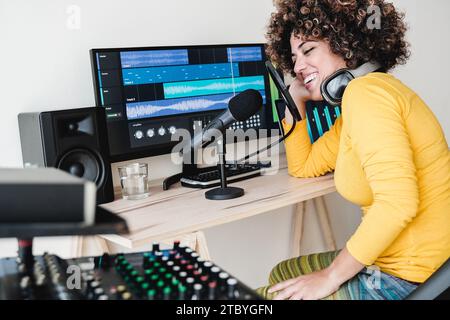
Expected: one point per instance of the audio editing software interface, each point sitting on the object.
(150, 93)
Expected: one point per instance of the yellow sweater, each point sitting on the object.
(390, 157)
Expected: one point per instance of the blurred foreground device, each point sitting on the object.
(45, 195)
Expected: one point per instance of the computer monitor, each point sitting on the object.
(151, 92)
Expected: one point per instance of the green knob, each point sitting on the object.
(148, 272)
(167, 291)
(134, 273)
(151, 294)
(162, 270)
(154, 277)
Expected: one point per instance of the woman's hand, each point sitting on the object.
(300, 96)
(320, 284)
(313, 286)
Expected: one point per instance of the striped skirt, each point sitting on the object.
(369, 284)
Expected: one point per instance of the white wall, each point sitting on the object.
(45, 66)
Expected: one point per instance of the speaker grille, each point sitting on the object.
(84, 164)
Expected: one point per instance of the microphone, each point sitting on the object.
(240, 108)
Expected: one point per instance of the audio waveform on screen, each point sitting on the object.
(208, 87)
(150, 109)
(179, 73)
(244, 54)
(153, 58)
(139, 110)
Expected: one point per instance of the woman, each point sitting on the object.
(388, 151)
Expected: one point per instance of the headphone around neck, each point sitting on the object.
(332, 88)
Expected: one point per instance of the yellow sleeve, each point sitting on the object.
(373, 118)
(306, 160)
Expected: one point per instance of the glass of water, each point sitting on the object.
(134, 181)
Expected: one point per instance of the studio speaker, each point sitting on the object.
(73, 140)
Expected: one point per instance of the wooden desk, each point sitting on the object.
(180, 211)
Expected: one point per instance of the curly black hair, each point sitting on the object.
(347, 25)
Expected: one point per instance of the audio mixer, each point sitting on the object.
(171, 274)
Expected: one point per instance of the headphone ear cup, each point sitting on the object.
(333, 88)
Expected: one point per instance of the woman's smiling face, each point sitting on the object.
(313, 63)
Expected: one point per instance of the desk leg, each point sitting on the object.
(324, 220)
(76, 249)
(102, 244)
(297, 229)
(88, 246)
(201, 246)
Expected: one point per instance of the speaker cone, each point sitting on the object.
(84, 164)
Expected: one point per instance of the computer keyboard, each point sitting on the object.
(210, 177)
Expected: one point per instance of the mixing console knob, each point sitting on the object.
(166, 293)
(126, 296)
(182, 249)
(161, 131)
(21, 268)
(183, 276)
(189, 282)
(176, 269)
(150, 133)
(172, 130)
(120, 289)
(25, 282)
(151, 294)
(94, 284)
(231, 287)
(197, 291)
(158, 256)
(155, 247)
(194, 256)
(207, 265)
(212, 288)
(214, 273)
(139, 134)
(182, 291)
(223, 276)
(98, 292)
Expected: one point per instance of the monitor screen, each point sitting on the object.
(149, 93)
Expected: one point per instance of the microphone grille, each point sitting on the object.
(245, 104)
